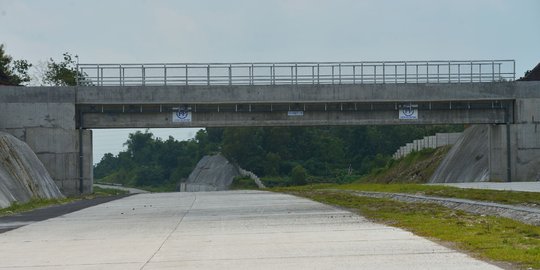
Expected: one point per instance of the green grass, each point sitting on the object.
(416, 167)
(243, 183)
(486, 237)
(498, 196)
(100, 192)
(31, 205)
(36, 203)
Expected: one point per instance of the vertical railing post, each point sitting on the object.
(121, 80)
(438, 73)
(186, 74)
(339, 70)
(208, 74)
(165, 74)
(318, 73)
(252, 74)
(480, 71)
(78, 73)
(513, 70)
(312, 74)
(383, 73)
(99, 82)
(395, 73)
(274, 73)
(362, 73)
(471, 71)
(143, 72)
(230, 74)
(459, 73)
(375, 73)
(292, 75)
(416, 73)
(270, 79)
(449, 72)
(332, 73)
(492, 71)
(427, 72)
(296, 73)
(354, 74)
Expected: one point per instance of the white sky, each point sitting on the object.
(132, 31)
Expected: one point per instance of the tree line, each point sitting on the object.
(280, 155)
(16, 72)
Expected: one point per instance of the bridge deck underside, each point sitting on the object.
(292, 114)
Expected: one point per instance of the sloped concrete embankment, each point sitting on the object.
(468, 160)
(215, 173)
(22, 175)
(212, 173)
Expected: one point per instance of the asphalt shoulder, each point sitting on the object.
(8, 223)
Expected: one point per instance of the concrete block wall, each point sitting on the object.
(44, 118)
(524, 144)
(58, 150)
(438, 140)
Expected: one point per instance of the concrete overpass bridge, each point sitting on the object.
(56, 121)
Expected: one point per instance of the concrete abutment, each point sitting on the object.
(44, 118)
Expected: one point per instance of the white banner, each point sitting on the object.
(295, 113)
(181, 116)
(408, 113)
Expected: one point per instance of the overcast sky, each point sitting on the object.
(134, 31)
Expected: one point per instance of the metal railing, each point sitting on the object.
(290, 73)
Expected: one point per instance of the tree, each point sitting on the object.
(13, 72)
(63, 73)
(298, 175)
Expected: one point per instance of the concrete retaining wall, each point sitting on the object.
(44, 118)
(438, 140)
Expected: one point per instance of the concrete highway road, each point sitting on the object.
(220, 230)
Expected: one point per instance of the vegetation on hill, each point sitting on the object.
(12, 72)
(281, 156)
(417, 167)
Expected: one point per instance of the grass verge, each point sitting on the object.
(498, 196)
(36, 203)
(485, 237)
(101, 192)
(243, 182)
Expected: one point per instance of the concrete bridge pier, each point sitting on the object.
(524, 139)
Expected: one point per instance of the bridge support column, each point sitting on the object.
(524, 145)
(58, 150)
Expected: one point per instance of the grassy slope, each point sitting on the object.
(416, 167)
(499, 196)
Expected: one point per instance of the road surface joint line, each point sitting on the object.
(172, 231)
